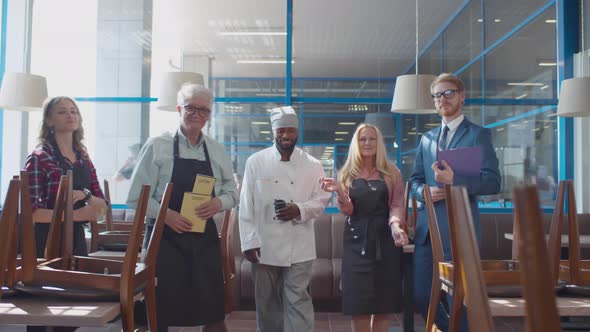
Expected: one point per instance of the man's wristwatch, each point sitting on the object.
(88, 194)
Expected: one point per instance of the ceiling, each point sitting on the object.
(331, 38)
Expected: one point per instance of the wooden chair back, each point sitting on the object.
(53, 245)
(455, 224)
(28, 248)
(537, 277)
(575, 264)
(109, 213)
(410, 219)
(227, 259)
(7, 230)
(437, 257)
(467, 260)
(555, 230)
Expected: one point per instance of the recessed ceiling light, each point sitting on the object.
(547, 64)
(264, 61)
(525, 84)
(347, 123)
(264, 132)
(341, 133)
(521, 96)
(252, 33)
(339, 139)
(550, 21)
(260, 122)
(544, 87)
(497, 20)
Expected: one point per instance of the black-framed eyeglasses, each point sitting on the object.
(202, 111)
(448, 94)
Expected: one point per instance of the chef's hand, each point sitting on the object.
(253, 255)
(290, 212)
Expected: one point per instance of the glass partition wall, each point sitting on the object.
(342, 73)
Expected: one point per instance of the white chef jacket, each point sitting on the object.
(267, 178)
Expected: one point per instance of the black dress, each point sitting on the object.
(371, 263)
(190, 275)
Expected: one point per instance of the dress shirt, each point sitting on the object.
(156, 160)
(453, 125)
(267, 178)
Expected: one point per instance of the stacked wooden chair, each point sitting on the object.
(66, 275)
(8, 239)
(18, 204)
(226, 236)
(502, 278)
(411, 219)
(541, 309)
(574, 271)
(110, 234)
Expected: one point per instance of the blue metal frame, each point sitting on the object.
(521, 116)
(567, 38)
(2, 70)
(509, 34)
(436, 36)
(289, 55)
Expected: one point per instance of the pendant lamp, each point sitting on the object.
(23, 92)
(574, 97)
(169, 86)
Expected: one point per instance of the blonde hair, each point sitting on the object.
(352, 166)
(450, 78)
(47, 135)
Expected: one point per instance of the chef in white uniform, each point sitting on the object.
(281, 243)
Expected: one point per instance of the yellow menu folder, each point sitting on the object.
(203, 184)
(190, 202)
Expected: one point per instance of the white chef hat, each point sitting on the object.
(283, 117)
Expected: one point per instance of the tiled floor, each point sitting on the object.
(245, 321)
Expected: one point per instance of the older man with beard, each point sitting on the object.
(279, 239)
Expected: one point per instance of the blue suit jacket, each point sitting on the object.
(488, 182)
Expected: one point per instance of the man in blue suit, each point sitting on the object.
(456, 131)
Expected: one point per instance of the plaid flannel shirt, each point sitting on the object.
(45, 172)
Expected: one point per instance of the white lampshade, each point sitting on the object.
(383, 121)
(169, 86)
(23, 92)
(412, 95)
(574, 98)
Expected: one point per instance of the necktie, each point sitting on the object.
(443, 141)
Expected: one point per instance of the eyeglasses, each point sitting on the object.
(448, 94)
(202, 111)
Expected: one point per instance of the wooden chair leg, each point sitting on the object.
(150, 303)
(456, 307)
(127, 323)
(435, 294)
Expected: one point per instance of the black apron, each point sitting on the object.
(81, 180)
(190, 277)
(371, 263)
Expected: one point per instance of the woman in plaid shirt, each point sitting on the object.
(61, 149)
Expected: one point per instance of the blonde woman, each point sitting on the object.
(369, 190)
